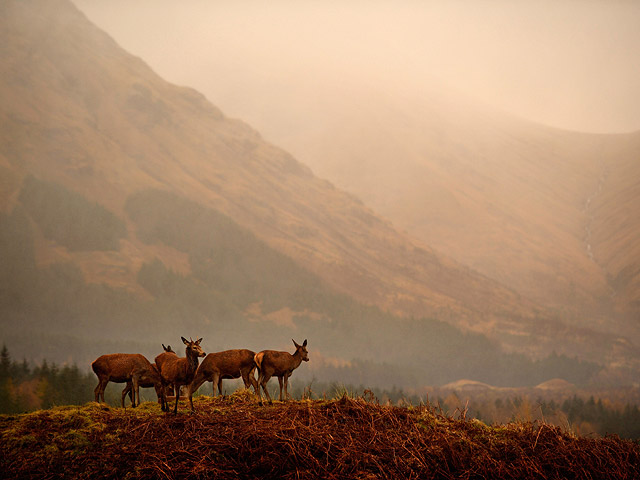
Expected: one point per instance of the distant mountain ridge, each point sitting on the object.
(543, 210)
(79, 112)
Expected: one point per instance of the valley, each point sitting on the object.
(134, 211)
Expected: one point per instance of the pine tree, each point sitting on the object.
(6, 398)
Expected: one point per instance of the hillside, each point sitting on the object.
(520, 202)
(134, 209)
(233, 437)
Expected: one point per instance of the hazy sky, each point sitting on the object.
(568, 63)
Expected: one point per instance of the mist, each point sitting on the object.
(568, 64)
(134, 211)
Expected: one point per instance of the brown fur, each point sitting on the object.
(227, 364)
(279, 364)
(177, 371)
(160, 390)
(128, 389)
(121, 368)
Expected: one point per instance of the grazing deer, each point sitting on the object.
(227, 364)
(156, 383)
(280, 364)
(124, 367)
(177, 371)
(160, 390)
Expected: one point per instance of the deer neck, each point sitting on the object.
(192, 362)
(297, 359)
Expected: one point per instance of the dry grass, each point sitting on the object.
(233, 437)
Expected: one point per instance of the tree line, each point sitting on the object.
(25, 388)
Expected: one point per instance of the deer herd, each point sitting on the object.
(170, 372)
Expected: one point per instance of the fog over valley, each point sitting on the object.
(437, 196)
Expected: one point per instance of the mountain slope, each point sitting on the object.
(512, 199)
(613, 230)
(79, 112)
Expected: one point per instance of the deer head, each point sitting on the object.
(193, 348)
(302, 349)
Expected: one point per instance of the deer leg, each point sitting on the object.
(96, 391)
(197, 382)
(136, 391)
(176, 388)
(252, 379)
(216, 383)
(127, 389)
(260, 376)
(164, 404)
(99, 391)
(102, 389)
(280, 382)
(286, 385)
(190, 398)
(265, 379)
(249, 379)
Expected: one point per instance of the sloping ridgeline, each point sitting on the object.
(232, 269)
(62, 317)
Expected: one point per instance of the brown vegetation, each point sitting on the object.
(233, 437)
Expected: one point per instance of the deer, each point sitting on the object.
(128, 389)
(280, 364)
(160, 390)
(227, 364)
(125, 367)
(177, 371)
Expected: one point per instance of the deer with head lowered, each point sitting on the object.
(228, 364)
(280, 364)
(161, 391)
(177, 371)
(125, 367)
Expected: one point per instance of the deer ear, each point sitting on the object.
(185, 341)
(294, 342)
(304, 343)
(198, 341)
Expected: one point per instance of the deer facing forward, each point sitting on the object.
(280, 364)
(177, 371)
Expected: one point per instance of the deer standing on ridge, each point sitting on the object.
(226, 364)
(280, 364)
(160, 389)
(177, 371)
(125, 367)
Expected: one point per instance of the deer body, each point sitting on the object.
(177, 371)
(144, 383)
(161, 391)
(279, 364)
(124, 367)
(227, 364)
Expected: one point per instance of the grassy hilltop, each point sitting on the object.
(234, 437)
